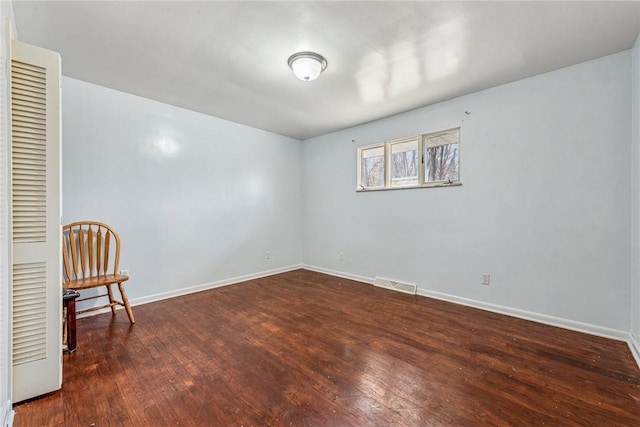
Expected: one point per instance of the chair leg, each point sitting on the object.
(111, 300)
(125, 300)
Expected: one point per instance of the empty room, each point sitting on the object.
(329, 213)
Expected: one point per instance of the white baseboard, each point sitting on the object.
(196, 288)
(338, 274)
(509, 311)
(634, 347)
(7, 414)
(573, 325)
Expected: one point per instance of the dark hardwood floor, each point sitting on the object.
(306, 349)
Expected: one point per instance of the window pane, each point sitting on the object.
(442, 153)
(442, 163)
(404, 163)
(372, 167)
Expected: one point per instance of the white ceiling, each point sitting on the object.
(229, 59)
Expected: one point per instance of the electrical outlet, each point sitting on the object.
(124, 272)
(341, 256)
(267, 255)
(486, 279)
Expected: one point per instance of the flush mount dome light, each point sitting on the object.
(307, 66)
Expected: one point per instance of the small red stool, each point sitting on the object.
(69, 297)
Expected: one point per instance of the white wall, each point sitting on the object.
(635, 195)
(544, 206)
(195, 199)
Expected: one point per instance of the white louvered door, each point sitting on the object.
(36, 213)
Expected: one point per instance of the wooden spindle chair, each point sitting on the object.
(87, 249)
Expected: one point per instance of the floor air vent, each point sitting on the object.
(407, 288)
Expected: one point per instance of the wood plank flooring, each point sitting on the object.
(306, 349)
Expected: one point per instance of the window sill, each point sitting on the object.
(430, 185)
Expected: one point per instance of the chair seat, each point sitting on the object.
(92, 282)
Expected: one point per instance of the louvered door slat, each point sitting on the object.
(31, 84)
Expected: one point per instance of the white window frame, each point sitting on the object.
(422, 149)
(388, 160)
(359, 166)
(425, 138)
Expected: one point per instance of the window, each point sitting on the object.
(404, 162)
(428, 160)
(371, 167)
(441, 156)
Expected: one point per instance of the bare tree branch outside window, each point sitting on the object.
(373, 172)
(404, 163)
(372, 167)
(442, 163)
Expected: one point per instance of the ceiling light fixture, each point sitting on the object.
(307, 66)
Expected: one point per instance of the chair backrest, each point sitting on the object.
(87, 249)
